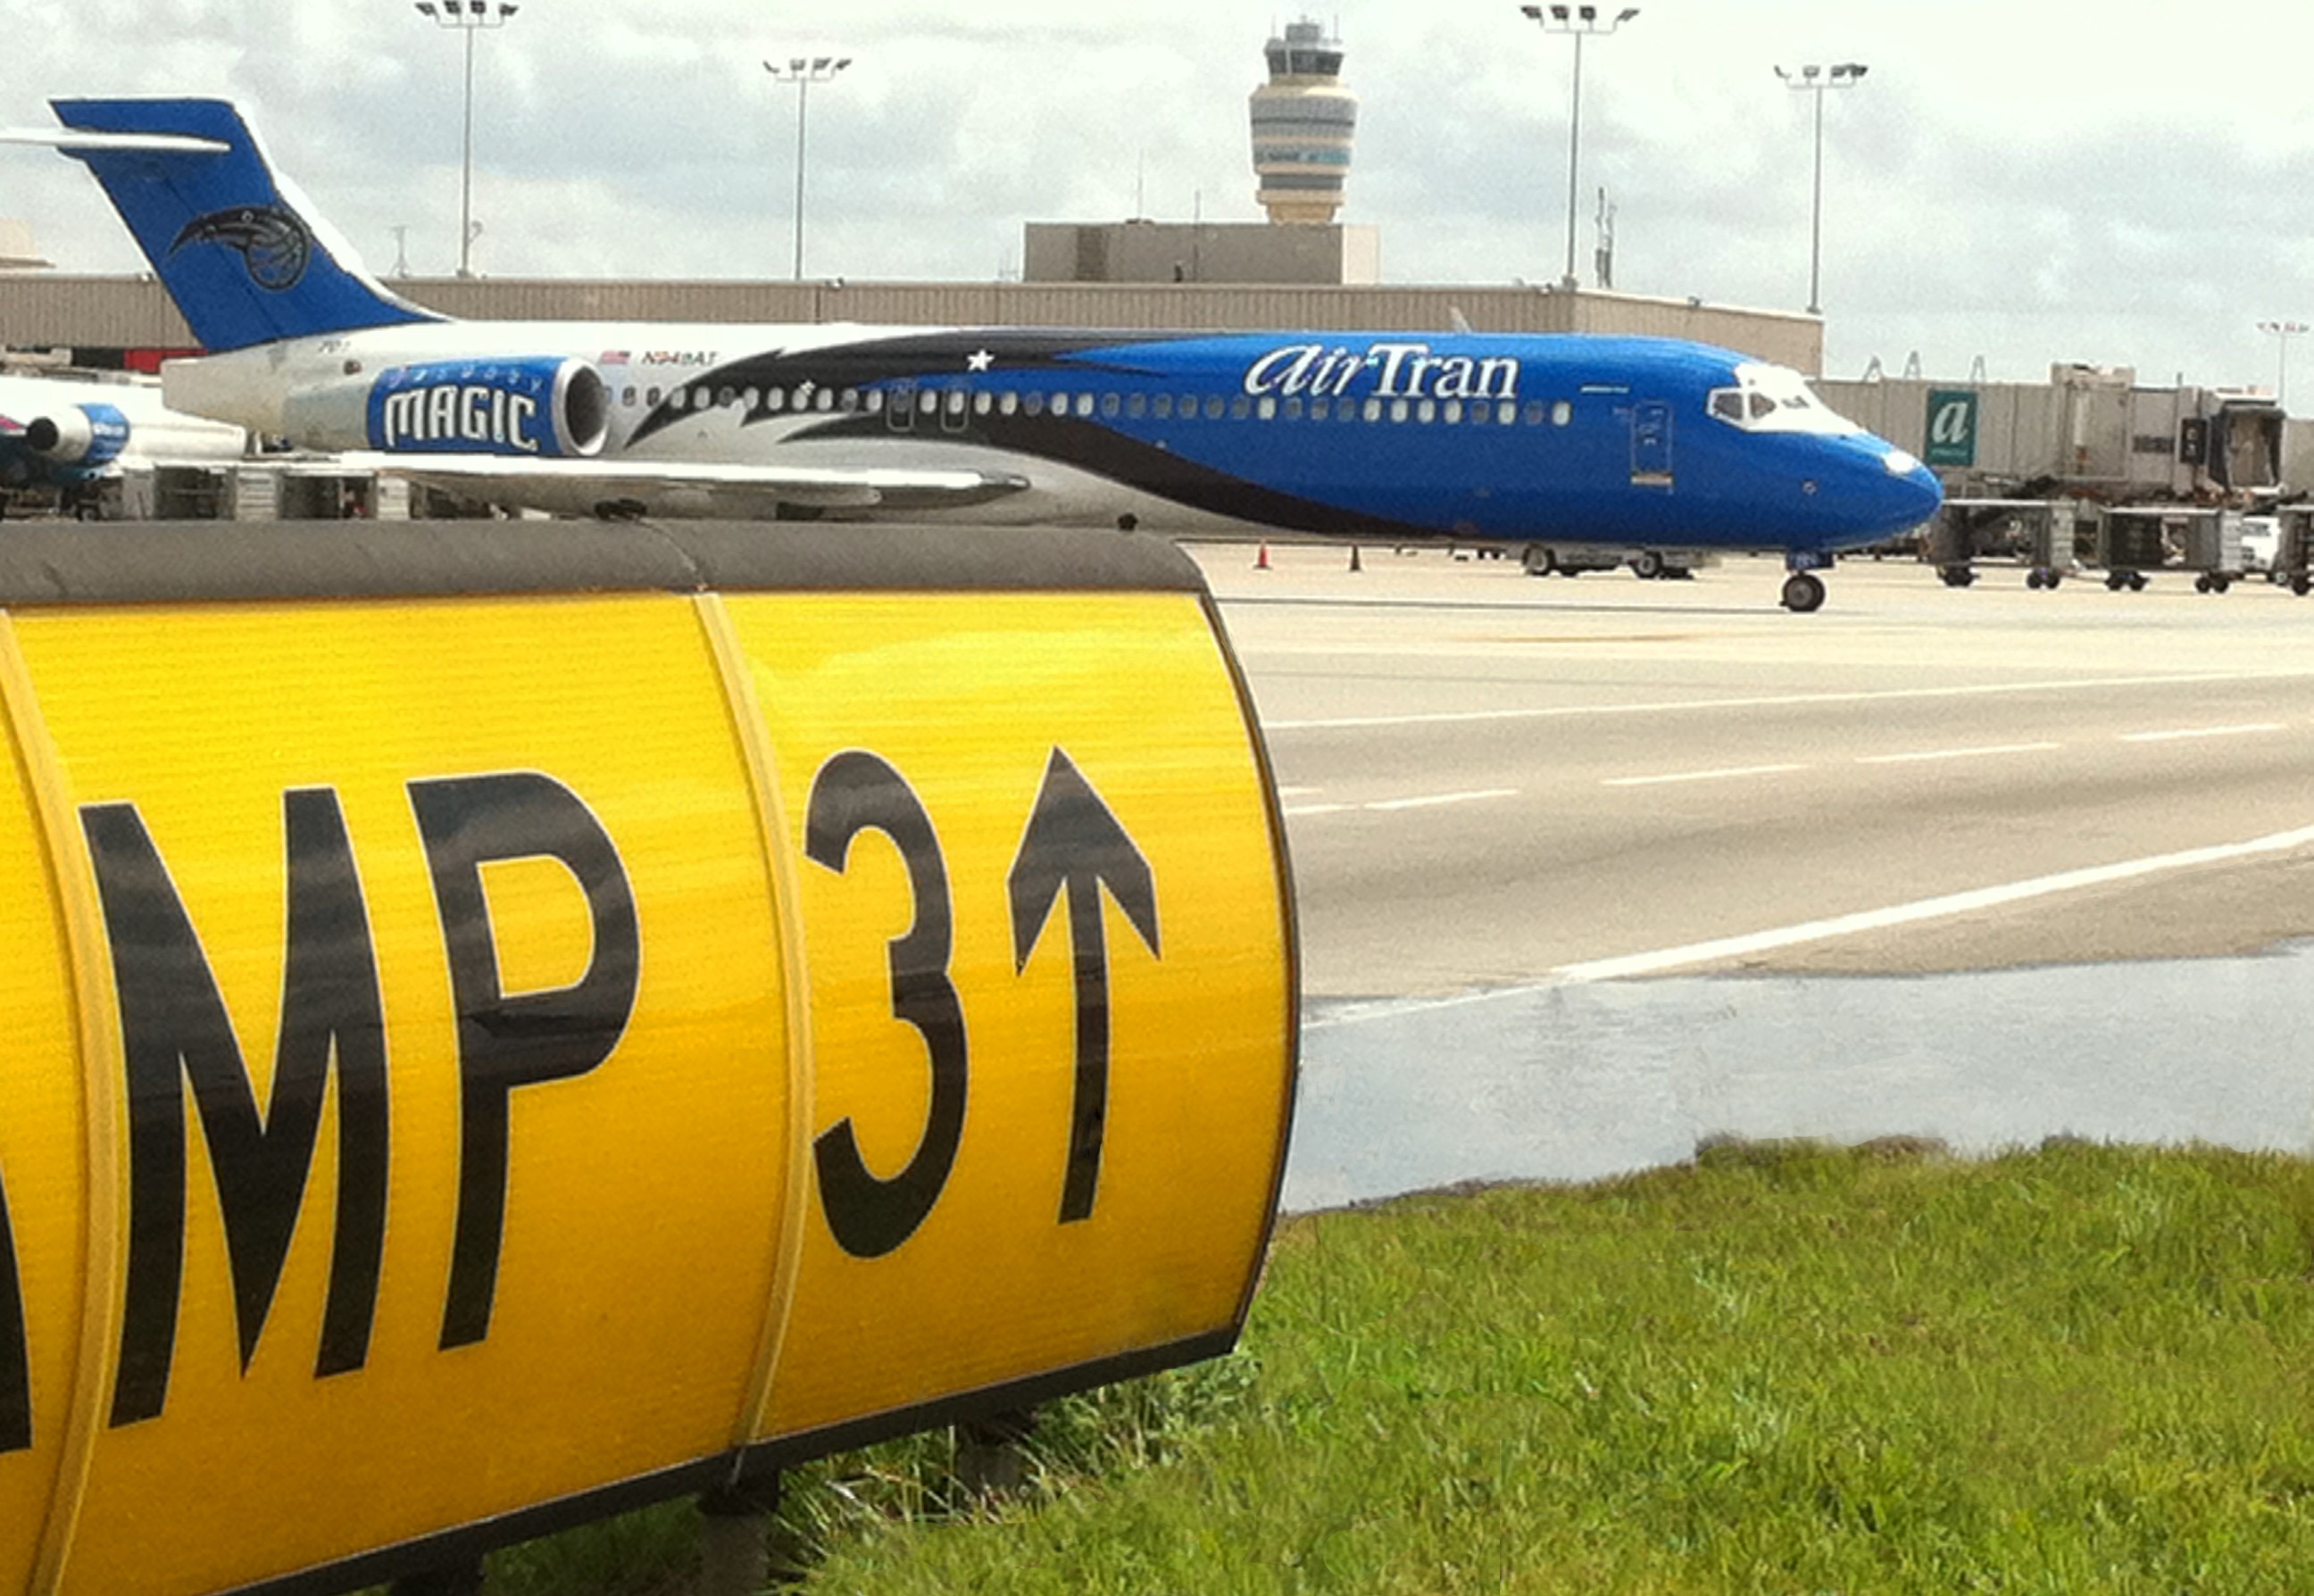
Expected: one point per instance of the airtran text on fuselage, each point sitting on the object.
(1381, 371)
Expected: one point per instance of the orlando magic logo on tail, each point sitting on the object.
(273, 242)
(239, 250)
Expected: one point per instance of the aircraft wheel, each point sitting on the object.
(2201, 583)
(1571, 571)
(1647, 564)
(2137, 581)
(2116, 580)
(2302, 584)
(1537, 559)
(2050, 580)
(1803, 593)
(2219, 584)
(2033, 580)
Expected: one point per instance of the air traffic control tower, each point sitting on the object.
(1303, 124)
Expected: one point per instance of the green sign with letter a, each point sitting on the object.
(1952, 428)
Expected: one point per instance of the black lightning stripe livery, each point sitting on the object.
(897, 366)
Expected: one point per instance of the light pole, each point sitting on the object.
(1578, 21)
(1815, 80)
(2284, 331)
(803, 71)
(470, 17)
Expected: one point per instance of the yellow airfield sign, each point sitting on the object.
(499, 1032)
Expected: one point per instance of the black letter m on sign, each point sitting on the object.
(176, 1032)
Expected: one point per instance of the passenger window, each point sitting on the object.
(724, 396)
(1428, 410)
(1292, 410)
(1506, 413)
(652, 397)
(1084, 404)
(627, 397)
(1561, 413)
(1136, 405)
(1214, 408)
(1241, 408)
(824, 400)
(776, 400)
(1162, 406)
(1534, 412)
(1453, 411)
(874, 404)
(982, 402)
(927, 402)
(1008, 404)
(1318, 409)
(955, 402)
(1399, 410)
(1033, 404)
(1373, 408)
(678, 400)
(1109, 405)
(1267, 409)
(749, 396)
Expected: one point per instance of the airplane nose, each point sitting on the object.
(1918, 495)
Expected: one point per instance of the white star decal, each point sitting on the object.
(979, 360)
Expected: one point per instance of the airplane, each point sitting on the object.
(73, 435)
(1404, 438)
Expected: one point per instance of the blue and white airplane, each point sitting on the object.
(73, 436)
(1400, 438)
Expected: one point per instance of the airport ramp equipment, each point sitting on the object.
(508, 1024)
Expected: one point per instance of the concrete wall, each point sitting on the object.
(1199, 252)
(43, 310)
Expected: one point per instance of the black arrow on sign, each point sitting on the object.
(1074, 844)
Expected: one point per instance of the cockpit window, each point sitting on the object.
(1775, 399)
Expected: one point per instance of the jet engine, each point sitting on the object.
(82, 435)
(544, 405)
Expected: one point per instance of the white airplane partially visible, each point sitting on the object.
(74, 435)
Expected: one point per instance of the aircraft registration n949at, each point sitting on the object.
(1402, 438)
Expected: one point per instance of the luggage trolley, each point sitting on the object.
(2293, 542)
(2036, 534)
(2135, 540)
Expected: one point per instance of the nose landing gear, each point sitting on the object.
(1803, 593)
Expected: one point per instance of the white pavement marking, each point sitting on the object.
(2201, 731)
(1647, 963)
(1294, 811)
(1935, 753)
(1444, 798)
(1290, 792)
(1937, 908)
(1726, 775)
(1894, 694)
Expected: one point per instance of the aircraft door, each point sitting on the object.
(1651, 444)
(900, 407)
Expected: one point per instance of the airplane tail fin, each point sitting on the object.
(239, 249)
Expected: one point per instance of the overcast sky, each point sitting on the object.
(2119, 181)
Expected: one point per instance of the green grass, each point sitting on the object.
(1781, 1368)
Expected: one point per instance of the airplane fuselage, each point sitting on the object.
(1504, 437)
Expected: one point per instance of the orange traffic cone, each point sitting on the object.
(1261, 560)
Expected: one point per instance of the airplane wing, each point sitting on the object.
(686, 489)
